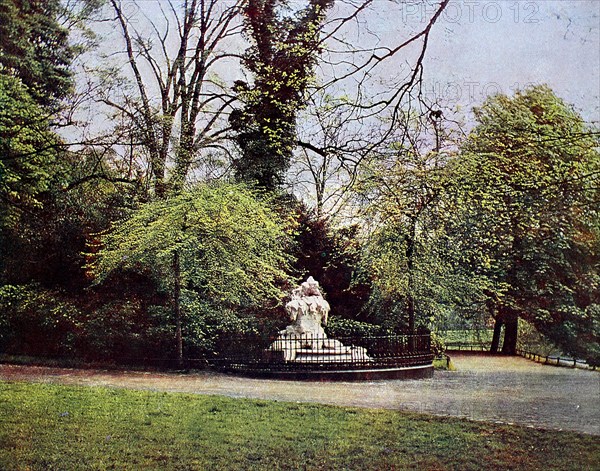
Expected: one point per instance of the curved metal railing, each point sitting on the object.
(311, 353)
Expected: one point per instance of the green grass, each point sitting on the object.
(444, 363)
(483, 336)
(46, 426)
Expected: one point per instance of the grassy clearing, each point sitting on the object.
(468, 336)
(63, 427)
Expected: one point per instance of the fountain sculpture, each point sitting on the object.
(305, 340)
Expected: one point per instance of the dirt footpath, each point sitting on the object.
(490, 388)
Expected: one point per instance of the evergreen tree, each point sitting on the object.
(27, 149)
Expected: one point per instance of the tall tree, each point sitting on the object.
(35, 48)
(183, 64)
(35, 80)
(34, 75)
(286, 46)
(174, 110)
(528, 179)
(27, 149)
(221, 242)
(403, 194)
(284, 50)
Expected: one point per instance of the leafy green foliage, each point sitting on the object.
(58, 230)
(531, 340)
(106, 326)
(34, 75)
(124, 332)
(331, 255)
(283, 53)
(35, 48)
(27, 149)
(527, 181)
(210, 330)
(408, 257)
(42, 322)
(38, 321)
(437, 287)
(438, 346)
(340, 327)
(232, 246)
(215, 248)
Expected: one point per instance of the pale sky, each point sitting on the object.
(477, 48)
(481, 47)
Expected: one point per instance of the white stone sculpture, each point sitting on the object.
(307, 310)
(305, 340)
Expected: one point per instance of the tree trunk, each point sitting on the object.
(411, 323)
(511, 318)
(511, 330)
(496, 338)
(410, 299)
(177, 308)
(411, 313)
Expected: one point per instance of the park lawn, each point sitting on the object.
(468, 336)
(44, 426)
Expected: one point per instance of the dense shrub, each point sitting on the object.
(123, 331)
(438, 346)
(48, 323)
(340, 327)
(38, 321)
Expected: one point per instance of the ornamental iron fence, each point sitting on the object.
(314, 353)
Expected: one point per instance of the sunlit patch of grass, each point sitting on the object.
(45, 426)
(444, 363)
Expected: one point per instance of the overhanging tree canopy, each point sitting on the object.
(221, 241)
(528, 183)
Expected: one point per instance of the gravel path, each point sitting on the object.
(490, 388)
